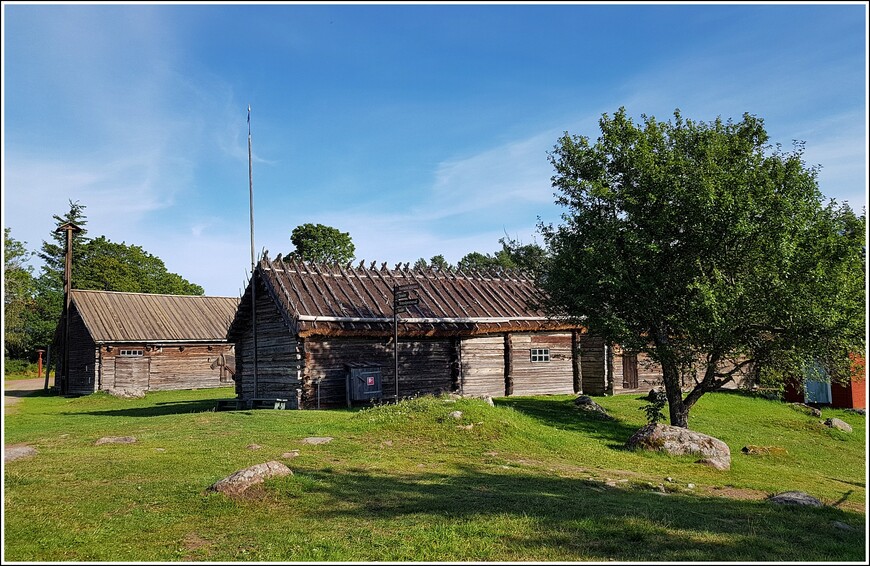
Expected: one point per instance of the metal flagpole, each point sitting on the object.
(253, 261)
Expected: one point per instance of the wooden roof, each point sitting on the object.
(317, 299)
(142, 317)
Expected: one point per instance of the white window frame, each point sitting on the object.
(539, 355)
(131, 353)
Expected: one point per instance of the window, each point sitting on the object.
(131, 353)
(540, 354)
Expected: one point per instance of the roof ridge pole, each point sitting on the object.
(253, 263)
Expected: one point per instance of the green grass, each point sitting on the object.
(533, 480)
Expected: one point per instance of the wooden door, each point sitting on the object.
(629, 371)
(132, 373)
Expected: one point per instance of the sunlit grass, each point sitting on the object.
(532, 479)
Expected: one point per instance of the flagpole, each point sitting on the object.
(253, 261)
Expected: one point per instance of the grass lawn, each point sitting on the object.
(534, 479)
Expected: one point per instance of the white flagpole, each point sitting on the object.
(253, 260)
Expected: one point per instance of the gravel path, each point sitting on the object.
(15, 389)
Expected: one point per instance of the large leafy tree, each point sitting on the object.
(703, 246)
(513, 254)
(321, 244)
(108, 266)
(17, 295)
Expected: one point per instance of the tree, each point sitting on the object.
(17, 291)
(104, 265)
(701, 245)
(321, 244)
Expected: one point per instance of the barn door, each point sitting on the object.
(132, 373)
(629, 371)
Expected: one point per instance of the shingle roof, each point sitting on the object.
(332, 299)
(138, 317)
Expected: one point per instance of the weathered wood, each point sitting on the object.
(483, 366)
(542, 378)
(577, 380)
(508, 366)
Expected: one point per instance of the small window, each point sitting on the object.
(131, 353)
(540, 354)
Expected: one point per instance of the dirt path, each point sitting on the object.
(14, 390)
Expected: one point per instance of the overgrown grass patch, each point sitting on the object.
(532, 479)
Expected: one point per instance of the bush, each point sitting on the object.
(12, 367)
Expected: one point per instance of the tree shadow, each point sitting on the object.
(562, 414)
(589, 520)
(155, 410)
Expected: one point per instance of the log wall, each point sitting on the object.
(84, 360)
(541, 378)
(424, 367)
(593, 365)
(279, 355)
(482, 366)
(170, 367)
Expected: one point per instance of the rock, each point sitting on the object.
(842, 526)
(690, 486)
(488, 400)
(127, 393)
(291, 454)
(794, 498)
(857, 411)
(243, 479)
(253, 446)
(465, 427)
(585, 403)
(17, 452)
(804, 408)
(115, 440)
(753, 450)
(456, 415)
(838, 424)
(317, 440)
(679, 441)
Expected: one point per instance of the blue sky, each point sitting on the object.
(421, 129)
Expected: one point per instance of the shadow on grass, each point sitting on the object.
(586, 520)
(562, 414)
(156, 410)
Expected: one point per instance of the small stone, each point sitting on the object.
(11, 453)
(317, 440)
(488, 400)
(64, 435)
(291, 454)
(387, 443)
(253, 446)
(455, 415)
(160, 449)
(465, 427)
(842, 526)
(669, 479)
(115, 440)
(690, 486)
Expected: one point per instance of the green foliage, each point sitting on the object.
(703, 246)
(529, 258)
(321, 244)
(17, 294)
(104, 265)
(437, 263)
(654, 409)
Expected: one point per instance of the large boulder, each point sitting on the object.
(681, 441)
(243, 479)
(794, 498)
(838, 424)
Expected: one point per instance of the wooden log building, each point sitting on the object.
(472, 333)
(137, 342)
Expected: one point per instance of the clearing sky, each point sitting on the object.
(420, 129)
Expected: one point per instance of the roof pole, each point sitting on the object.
(253, 261)
(70, 229)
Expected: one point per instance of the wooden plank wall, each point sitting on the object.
(424, 367)
(592, 365)
(482, 366)
(649, 373)
(173, 367)
(542, 378)
(279, 356)
(83, 357)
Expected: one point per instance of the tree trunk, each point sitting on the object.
(679, 411)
